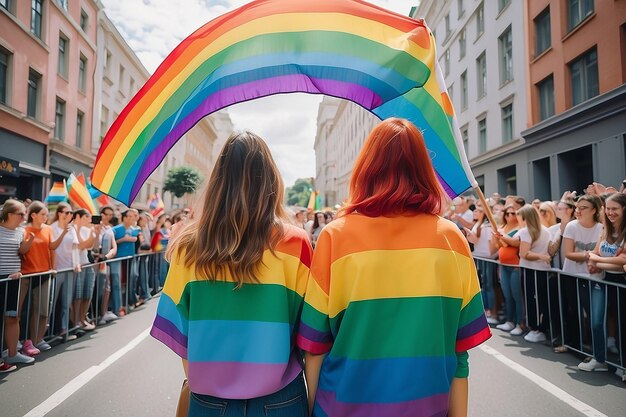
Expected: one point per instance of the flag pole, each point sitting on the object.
(486, 207)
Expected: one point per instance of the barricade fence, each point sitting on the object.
(577, 311)
(48, 305)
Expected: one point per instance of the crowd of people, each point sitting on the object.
(548, 257)
(366, 283)
(58, 268)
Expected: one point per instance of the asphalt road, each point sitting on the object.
(119, 370)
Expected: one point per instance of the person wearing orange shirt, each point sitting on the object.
(38, 258)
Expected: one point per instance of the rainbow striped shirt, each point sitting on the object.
(396, 304)
(239, 344)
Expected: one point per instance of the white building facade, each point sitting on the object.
(342, 128)
(481, 49)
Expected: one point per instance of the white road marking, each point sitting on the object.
(81, 380)
(568, 399)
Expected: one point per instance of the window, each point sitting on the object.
(35, 17)
(546, 98)
(507, 123)
(84, 20)
(460, 7)
(4, 75)
(502, 4)
(59, 119)
(447, 61)
(462, 44)
(464, 90)
(578, 10)
(480, 20)
(6, 4)
(481, 73)
(584, 73)
(107, 63)
(506, 56)
(447, 20)
(120, 81)
(79, 129)
(543, 38)
(63, 4)
(465, 137)
(482, 135)
(34, 83)
(82, 74)
(131, 86)
(63, 55)
(451, 93)
(104, 122)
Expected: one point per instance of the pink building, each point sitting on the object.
(47, 61)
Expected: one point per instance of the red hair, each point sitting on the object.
(393, 173)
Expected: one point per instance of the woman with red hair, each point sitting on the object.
(394, 302)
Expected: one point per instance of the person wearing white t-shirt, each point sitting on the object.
(462, 216)
(65, 246)
(534, 258)
(480, 236)
(86, 280)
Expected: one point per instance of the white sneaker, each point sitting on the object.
(507, 327)
(517, 331)
(611, 346)
(593, 365)
(535, 337)
(19, 358)
(492, 320)
(109, 316)
(620, 374)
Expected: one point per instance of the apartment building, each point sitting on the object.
(481, 49)
(577, 113)
(342, 128)
(47, 58)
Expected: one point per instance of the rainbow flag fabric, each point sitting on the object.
(156, 204)
(57, 194)
(350, 49)
(238, 343)
(78, 193)
(395, 303)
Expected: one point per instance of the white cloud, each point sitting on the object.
(153, 28)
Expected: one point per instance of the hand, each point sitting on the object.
(31, 237)
(131, 238)
(470, 236)
(15, 275)
(77, 268)
(592, 257)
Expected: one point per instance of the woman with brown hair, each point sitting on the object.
(394, 302)
(234, 292)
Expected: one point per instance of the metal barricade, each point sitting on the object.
(44, 300)
(573, 309)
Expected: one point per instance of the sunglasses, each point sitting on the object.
(510, 213)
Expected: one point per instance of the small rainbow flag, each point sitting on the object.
(78, 194)
(157, 205)
(350, 49)
(57, 194)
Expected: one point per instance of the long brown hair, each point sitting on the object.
(393, 173)
(533, 223)
(241, 215)
(614, 234)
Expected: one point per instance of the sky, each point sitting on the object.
(153, 28)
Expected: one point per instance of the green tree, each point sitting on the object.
(182, 180)
(298, 194)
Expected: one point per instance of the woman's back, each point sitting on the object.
(399, 300)
(239, 343)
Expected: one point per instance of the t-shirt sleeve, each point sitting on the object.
(524, 236)
(314, 334)
(570, 231)
(472, 327)
(171, 325)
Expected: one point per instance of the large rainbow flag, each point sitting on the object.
(349, 49)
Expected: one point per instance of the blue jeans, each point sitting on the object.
(116, 286)
(486, 271)
(64, 288)
(290, 401)
(598, 321)
(511, 284)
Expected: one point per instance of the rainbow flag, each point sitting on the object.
(57, 194)
(157, 205)
(383, 61)
(78, 194)
(312, 201)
